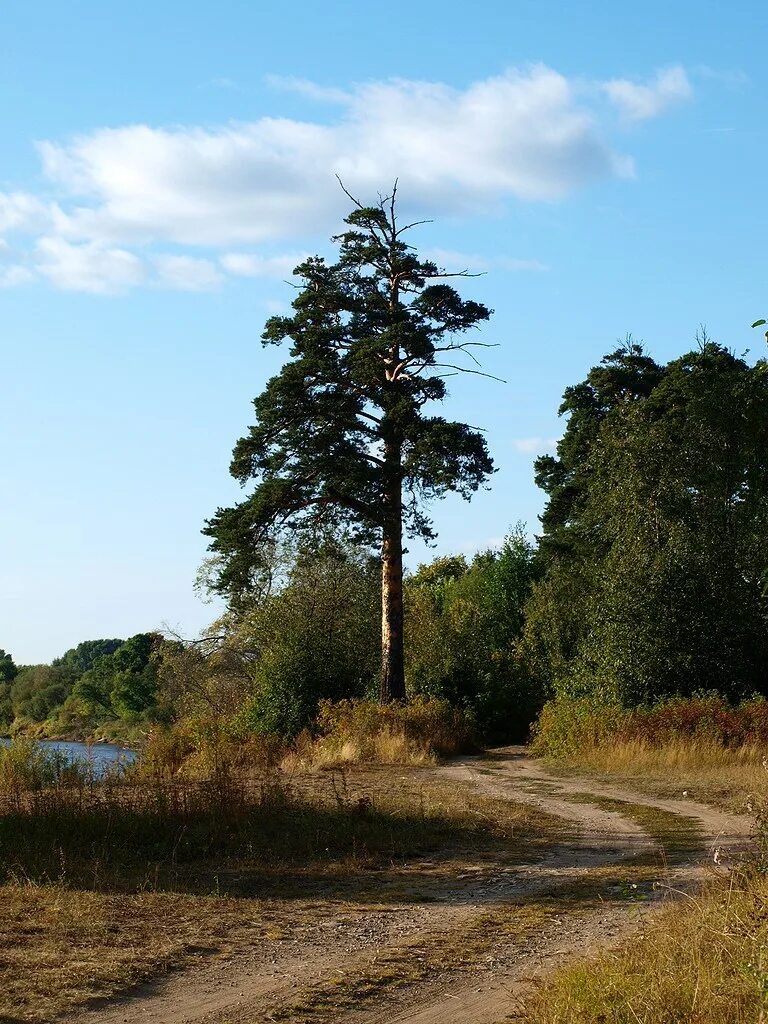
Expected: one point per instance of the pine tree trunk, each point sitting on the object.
(392, 684)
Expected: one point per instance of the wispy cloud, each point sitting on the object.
(534, 445)
(114, 198)
(640, 101)
(187, 273)
(454, 260)
(87, 267)
(733, 78)
(249, 264)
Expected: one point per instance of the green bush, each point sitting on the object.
(463, 627)
(569, 725)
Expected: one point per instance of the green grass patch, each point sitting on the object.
(680, 837)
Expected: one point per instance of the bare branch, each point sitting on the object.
(202, 640)
(392, 199)
(464, 369)
(457, 273)
(369, 416)
(466, 344)
(374, 459)
(414, 224)
(348, 194)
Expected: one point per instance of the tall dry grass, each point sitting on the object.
(421, 732)
(27, 766)
(733, 777)
(702, 747)
(704, 961)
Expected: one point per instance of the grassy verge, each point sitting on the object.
(703, 962)
(62, 946)
(735, 779)
(192, 836)
(702, 748)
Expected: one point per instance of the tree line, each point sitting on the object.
(96, 683)
(647, 580)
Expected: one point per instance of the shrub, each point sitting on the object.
(568, 726)
(360, 730)
(27, 766)
(203, 749)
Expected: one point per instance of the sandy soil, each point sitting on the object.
(262, 984)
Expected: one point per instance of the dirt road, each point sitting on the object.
(472, 951)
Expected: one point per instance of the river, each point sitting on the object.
(100, 755)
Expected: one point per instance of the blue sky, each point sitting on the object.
(162, 166)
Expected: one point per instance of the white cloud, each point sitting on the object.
(310, 90)
(13, 276)
(186, 273)
(734, 78)
(87, 267)
(522, 134)
(534, 445)
(21, 210)
(638, 102)
(115, 196)
(249, 264)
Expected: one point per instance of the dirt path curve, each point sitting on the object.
(496, 994)
(247, 987)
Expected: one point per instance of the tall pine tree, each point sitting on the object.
(341, 436)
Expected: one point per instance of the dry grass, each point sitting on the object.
(701, 963)
(346, 840)
(712, 750)
(733, 778)
(421, 732)
(387, 746)
(250, 831)
(62, 947)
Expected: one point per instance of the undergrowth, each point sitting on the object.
(357, 731)
(702, 748)
(347, 732)
(569, 726)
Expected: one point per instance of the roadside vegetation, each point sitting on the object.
(702, 747)
(700, 963)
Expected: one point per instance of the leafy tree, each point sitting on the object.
(8, 670)
(122, 684)
(466, 623)
(266, 667)
(78, 660)
(655, 534)
(341, 435)
(624, 377)
(314, 638)
(37, 691)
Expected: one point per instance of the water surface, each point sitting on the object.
(100, 755)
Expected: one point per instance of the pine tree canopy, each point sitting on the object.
(342, 434)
